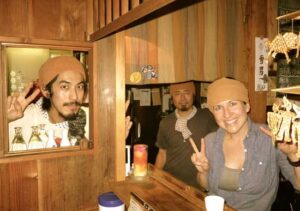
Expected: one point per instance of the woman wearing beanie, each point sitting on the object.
(239, 162)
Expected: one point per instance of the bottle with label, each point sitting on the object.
(65, 138)
(18, 142)
(35, 142)
(51, 141)
(43, 134)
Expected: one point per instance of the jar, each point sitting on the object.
(140, 160)
(110, 202)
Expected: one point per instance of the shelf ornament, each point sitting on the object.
(286, 42)
(284, 122)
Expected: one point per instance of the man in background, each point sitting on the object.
(174, 132)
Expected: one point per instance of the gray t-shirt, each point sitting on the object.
(259, 177)
(179, 151)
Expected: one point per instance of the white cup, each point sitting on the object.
(214, 203)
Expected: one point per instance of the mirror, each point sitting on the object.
(56, 118)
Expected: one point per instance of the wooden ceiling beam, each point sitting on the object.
(136, 13)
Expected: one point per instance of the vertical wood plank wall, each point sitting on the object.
(200, 42)
(203, 41)
(109, 62)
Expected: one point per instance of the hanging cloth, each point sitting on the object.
(181, 123)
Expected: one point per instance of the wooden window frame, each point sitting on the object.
(5, 154)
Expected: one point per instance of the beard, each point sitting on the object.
(183, 108)
(69, 117)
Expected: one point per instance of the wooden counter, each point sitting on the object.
(161, 191)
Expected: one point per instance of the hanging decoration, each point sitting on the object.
(286, 42)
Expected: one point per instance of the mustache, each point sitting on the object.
(72, 103)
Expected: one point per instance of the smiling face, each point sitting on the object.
(67, 94)
(232, 116)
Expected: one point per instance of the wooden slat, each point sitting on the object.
(91, 23)
(210, 37)
(102, 13)
(133, 15)
(288, 90)
(292, 15)
(256, 27)
(2, 100)
(165, 51)
(96, 14)
(116, 9)
(111, 105)
(124, 6)
(272, 26)
(108, 11)
(179, 34)
(120, 107)
(134, 3)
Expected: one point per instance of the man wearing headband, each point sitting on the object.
(62, 83)
(239, 162)
(174, 131)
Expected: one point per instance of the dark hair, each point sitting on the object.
(46, 103)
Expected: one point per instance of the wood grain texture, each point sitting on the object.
(54, 20)
(116, 9)
(68, 183)
(203, 41)
(108, 11)
(124, 6)
(134, 3)
(73, 181)
(13, 18)
(65, 20)
(256, 27)
(129, 17)
(102, 13)
(19, 188)
(111, 95)
(2, 100)
(162, 191)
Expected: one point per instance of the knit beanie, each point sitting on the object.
(54, 66)
(226, 89)
(182, 86)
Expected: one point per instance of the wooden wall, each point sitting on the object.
(204, 41)
(53, 20)
(64, 180)
(210, 39)
(200, 42)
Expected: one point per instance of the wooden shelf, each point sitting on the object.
(290, 16)
(289, 90)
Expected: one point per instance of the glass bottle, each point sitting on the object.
(65, 138)
(43, 134)
(35, 142)
(18, 142)
(51, 141)
(140, 160)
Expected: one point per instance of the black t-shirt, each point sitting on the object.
(179, 151)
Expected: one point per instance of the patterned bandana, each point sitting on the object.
(181, 123)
